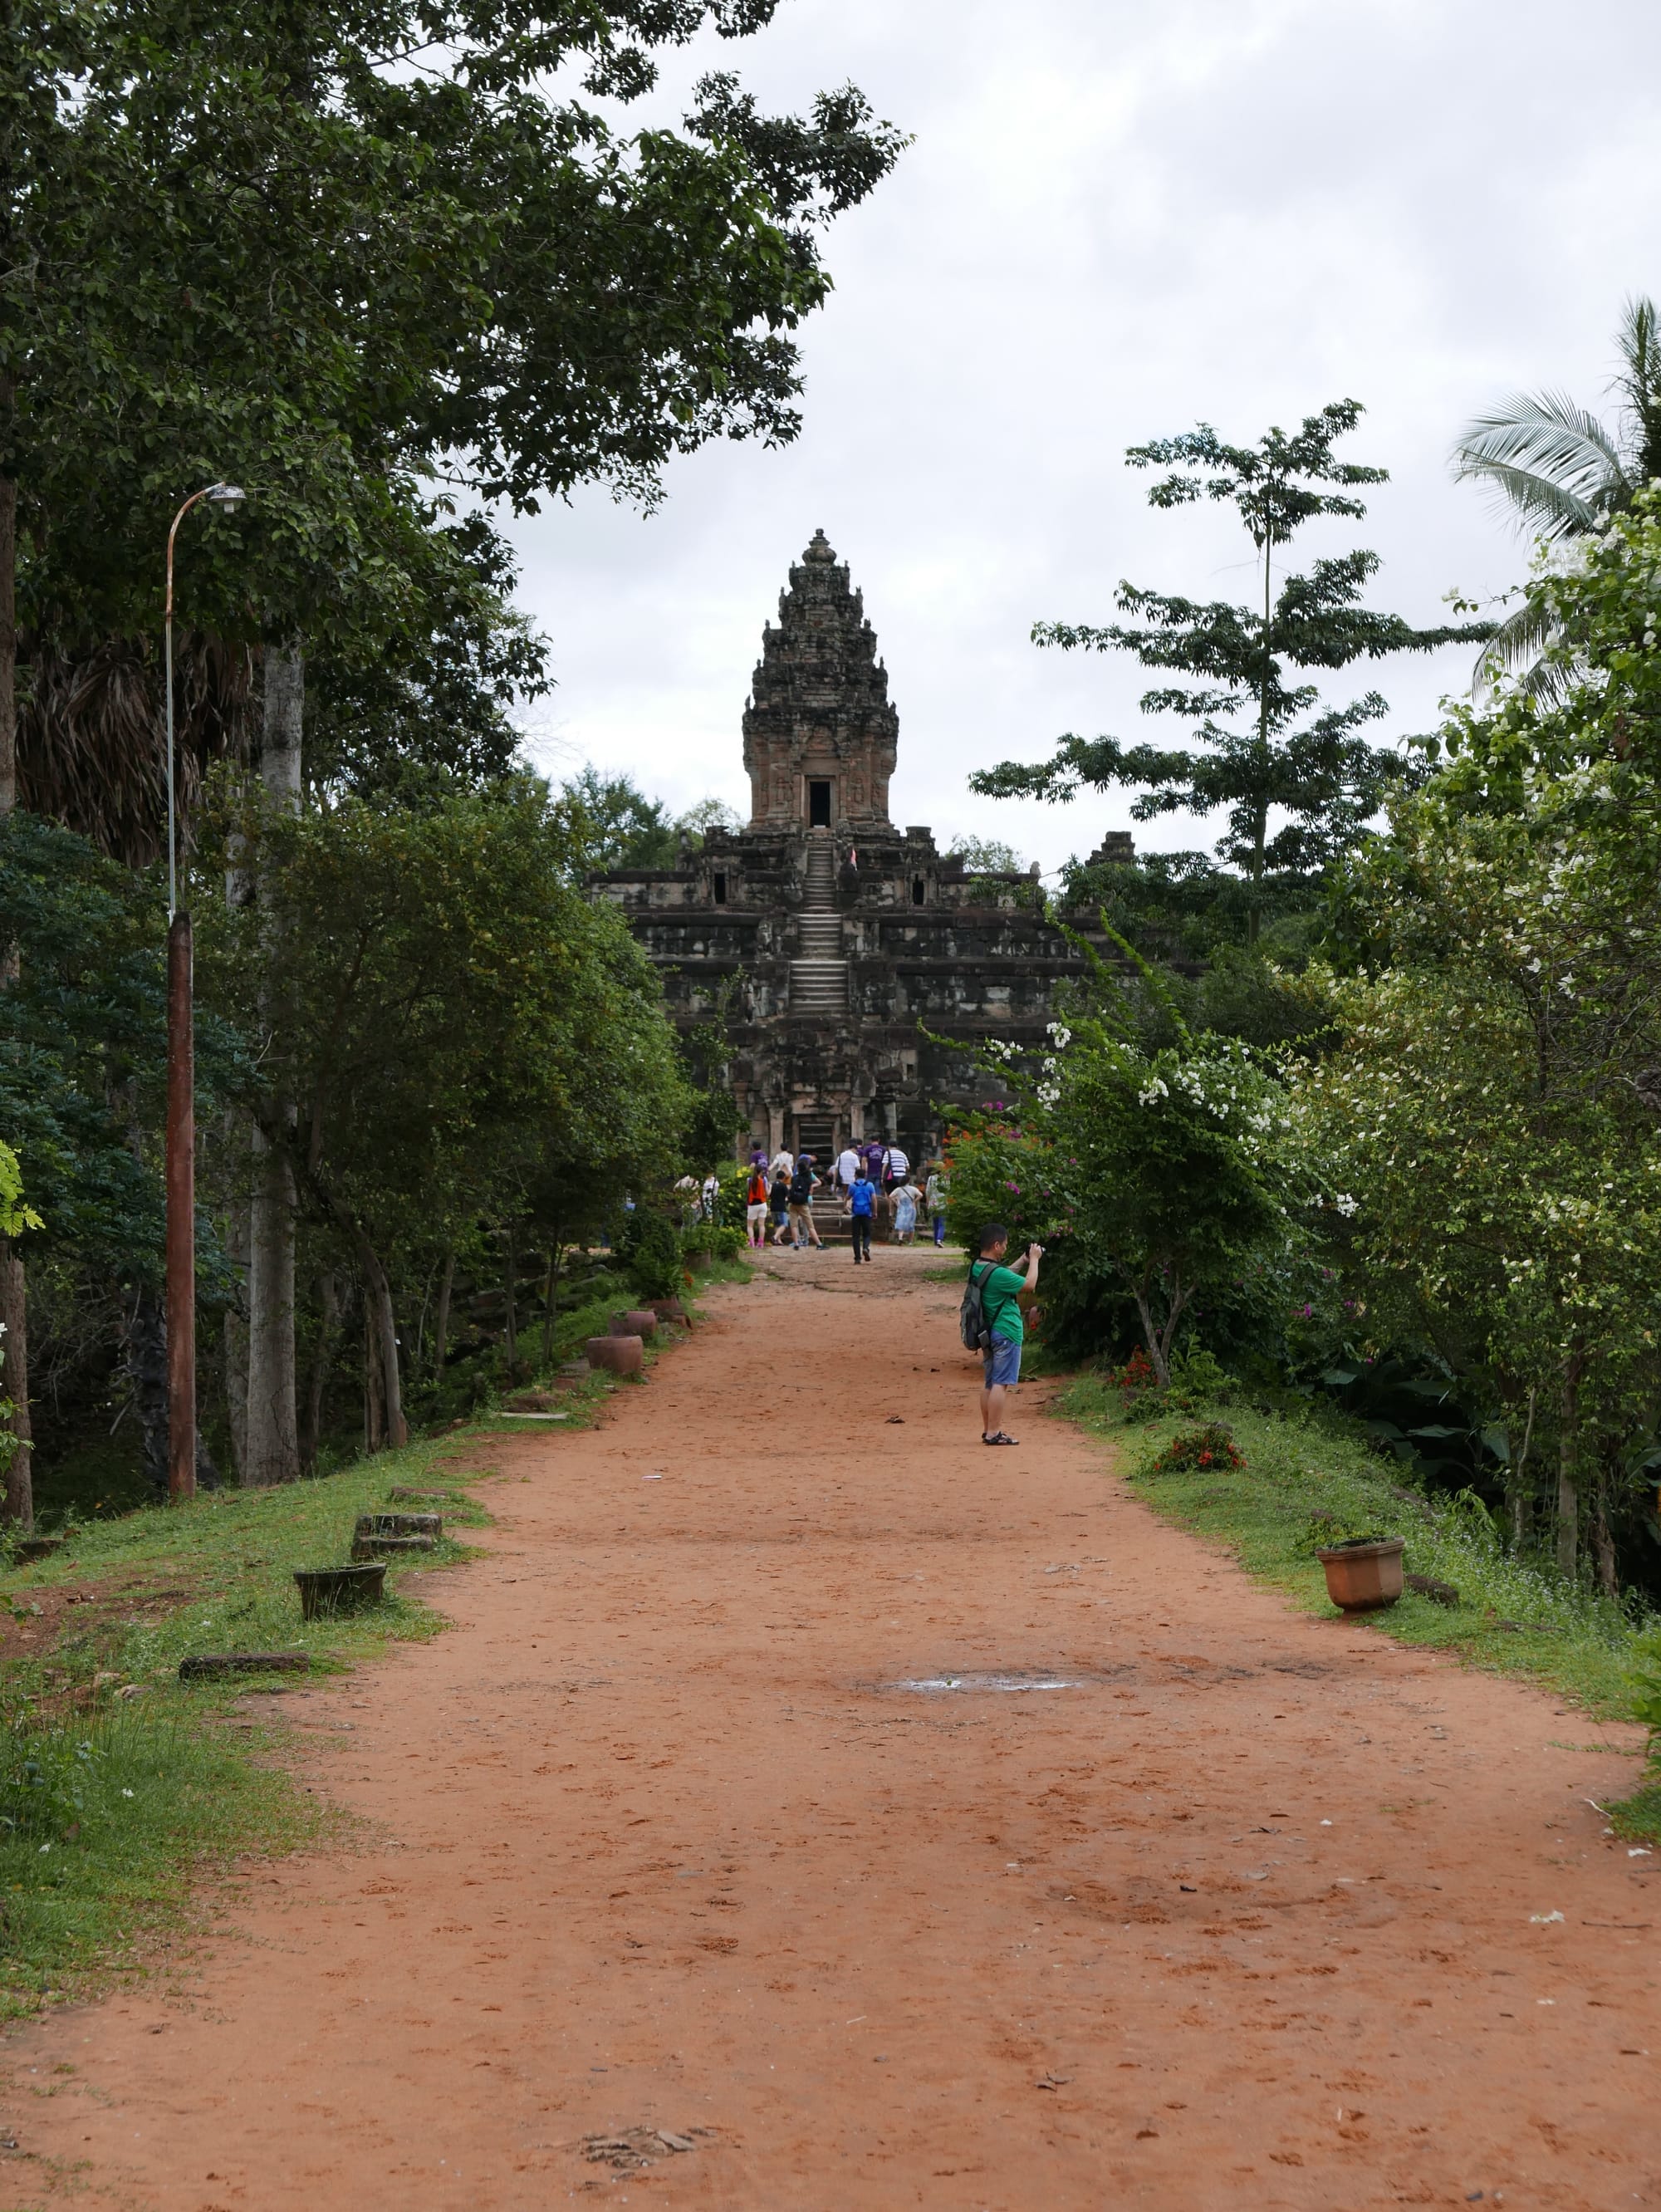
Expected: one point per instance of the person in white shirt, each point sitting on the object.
(782, 1164)
(847, 1171)
(895, 1167)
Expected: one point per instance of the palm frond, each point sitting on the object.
(90, 749)
(1638, 380)
(1518, 649)
(1552, 459)
(1545, 509)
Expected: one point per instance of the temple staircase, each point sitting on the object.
(819, 975)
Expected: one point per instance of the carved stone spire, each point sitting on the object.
(820, 735)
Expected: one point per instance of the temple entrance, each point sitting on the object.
(819, 804)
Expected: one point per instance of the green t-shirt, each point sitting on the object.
(999, 1291)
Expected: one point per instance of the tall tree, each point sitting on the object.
(1258, 749)
(275, 243)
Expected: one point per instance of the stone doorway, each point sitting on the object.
(819, 803)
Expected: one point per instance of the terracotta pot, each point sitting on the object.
(619, 1355)
(667, 1310)
(639, 1321)
(1364, 1577)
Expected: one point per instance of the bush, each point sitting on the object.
(1211, 1447)
(1646, 1681)
(652, 1252)
(45, 1779)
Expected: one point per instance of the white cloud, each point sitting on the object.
(1115, 222)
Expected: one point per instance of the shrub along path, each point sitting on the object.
(1260, 1910)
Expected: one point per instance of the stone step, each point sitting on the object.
(819, 987)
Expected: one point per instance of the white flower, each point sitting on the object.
(1156, 1089)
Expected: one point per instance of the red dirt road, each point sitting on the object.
(659, 1840)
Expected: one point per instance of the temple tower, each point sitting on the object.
(819, 732)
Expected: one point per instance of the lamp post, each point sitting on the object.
(181, 1099)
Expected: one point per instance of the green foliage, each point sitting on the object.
(616, 825)
(1646, 1685)
(260, 245)
(711, 1123)
(999, 1172)
(1313, 771)
(651, 1251)
(1491, 1110)
(459, 1023)
(83, 1053)
(986, 856)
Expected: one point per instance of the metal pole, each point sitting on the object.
(181, 1214)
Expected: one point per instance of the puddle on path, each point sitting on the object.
(931, 1685)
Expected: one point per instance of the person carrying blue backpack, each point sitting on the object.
(862, 1204)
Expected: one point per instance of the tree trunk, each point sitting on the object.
(1517, 1487)
(1602, 1548)
(1260, 827)
(1159, 1339)
(322, 1361)
(272, 1453)
(15, 1386)
(283, 724)
(8, 618)
(374, 1399)
(1568, 1458)
(510, 1317)
(441, 1318)
(147, 1378)
(13, 1288)
(381, 1334)
(236, 1341)
(551, 1285)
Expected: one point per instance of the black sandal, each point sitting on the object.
(1000, 1438)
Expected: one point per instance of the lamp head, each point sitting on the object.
(227, 495)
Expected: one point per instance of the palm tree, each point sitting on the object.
(1564, 474)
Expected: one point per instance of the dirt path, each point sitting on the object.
(665, 1842)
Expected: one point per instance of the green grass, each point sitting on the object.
(1513, 1618)
(117, 1810)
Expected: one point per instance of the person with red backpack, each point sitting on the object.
(756, 1204)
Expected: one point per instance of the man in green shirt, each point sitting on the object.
(1000, 1305)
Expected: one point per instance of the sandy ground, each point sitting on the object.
(666, 1837)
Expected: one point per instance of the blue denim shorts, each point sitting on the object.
(1002, 1362)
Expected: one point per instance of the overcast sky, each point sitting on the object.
(1116, 221)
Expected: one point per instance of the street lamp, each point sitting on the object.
(181, 1099)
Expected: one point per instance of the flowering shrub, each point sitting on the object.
(1000, 1172)
(1170, 1167)
(1134, 1377)
(1213, 1446)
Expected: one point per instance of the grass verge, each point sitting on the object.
(120, 1788)
(1513, 1618)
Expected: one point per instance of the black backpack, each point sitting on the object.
(801, 1187)
(970, 1314)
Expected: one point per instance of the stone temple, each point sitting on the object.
(833, 948)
